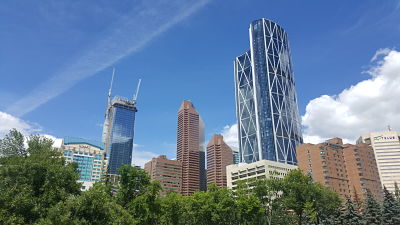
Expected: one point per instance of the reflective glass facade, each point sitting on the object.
(119, 137)
(266, 102)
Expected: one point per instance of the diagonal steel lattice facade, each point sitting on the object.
(266, 103)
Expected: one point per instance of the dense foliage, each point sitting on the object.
(38, 187)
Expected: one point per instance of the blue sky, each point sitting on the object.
(57, 56)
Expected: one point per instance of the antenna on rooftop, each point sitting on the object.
(109, 91)
(137, 92)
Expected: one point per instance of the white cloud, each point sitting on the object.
(230, 134)
(57, 141)
(139, 158)
(129, 35)
(367, 106)
(8, 122)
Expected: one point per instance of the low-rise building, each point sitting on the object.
(167, 172)
(263, 169)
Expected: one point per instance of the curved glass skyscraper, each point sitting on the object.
(266, 102)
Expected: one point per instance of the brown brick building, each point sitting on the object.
(347, 169)
(219, 155)
(188, 147)
(167, 172)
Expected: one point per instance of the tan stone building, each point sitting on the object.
(167, 172)
(346, 169)
(219, 155)
(263, 169)
(189, 147)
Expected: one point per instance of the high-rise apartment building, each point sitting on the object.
(386, 147)
(249, 172)
(167, 172)
(345, 168)
(188, 146)
(90, 157)
(118, 131)
(219, 155)
(266, 102)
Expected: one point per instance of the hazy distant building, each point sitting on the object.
(90, 157)
(202, 162)
(189, 142)
(219, 155)
(347, 169)
(266, 102)
(263, 169)
(118, 131)
(236, 157)
(167, 172)
(386, 147)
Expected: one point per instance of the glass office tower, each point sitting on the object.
(266, 102)
(118, 132)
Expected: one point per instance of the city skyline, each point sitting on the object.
(44, 74)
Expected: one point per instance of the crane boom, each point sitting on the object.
(137, 91)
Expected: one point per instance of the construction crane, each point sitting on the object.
(137, 92)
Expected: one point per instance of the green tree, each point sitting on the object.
(32, 183)
(95, 206)
(146, 208)
(350, 214)
(391, 209)
(396, 192)
(13, 145)
(311, 202)
(372, 211)
(173, 207)
(132, 183)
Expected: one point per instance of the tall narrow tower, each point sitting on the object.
(118, 131)
(188, 147)
(219, 155)
(266, 102)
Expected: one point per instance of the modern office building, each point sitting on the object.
(167, 172)
(345, 168)
(236, 158)
(263, 169)
(219, 156)
(189, 144)
(90, 157)
(118, 131)
(386, 147)
(266, 102)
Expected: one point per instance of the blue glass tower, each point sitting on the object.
(119, 132)
(266, 102)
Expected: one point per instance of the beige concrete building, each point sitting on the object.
(346, 169)
(167, 172)
(386, 146)
(256, 170)
(219, 155)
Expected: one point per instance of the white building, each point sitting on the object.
(386, 147)
(90, 157)
(256, 170)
